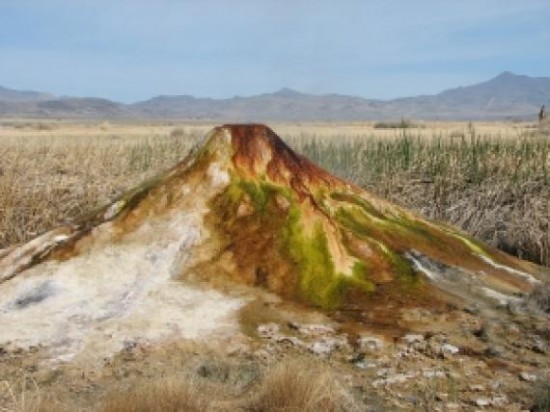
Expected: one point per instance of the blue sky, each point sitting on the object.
(133, 50)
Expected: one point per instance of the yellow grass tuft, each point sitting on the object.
(298, 385)
(163, 395)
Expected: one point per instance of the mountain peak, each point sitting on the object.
(510, 77)
(506, 74)
(287, 92)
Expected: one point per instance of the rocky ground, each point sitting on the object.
(458, 360)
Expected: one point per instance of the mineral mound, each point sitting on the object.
(242, 208)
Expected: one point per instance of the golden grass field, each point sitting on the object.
(490, 179)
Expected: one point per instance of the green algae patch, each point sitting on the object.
(359, 277)
(362, 223)
(353, 221)
(234, 192)
(470, 243)
(358, 224)
(262, 193)
(319, 282)
(402, 234)
(358, 201)
(402, 267)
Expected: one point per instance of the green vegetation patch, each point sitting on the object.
(475, 246)
(355, 221)
(358, 201)
(393, 228)
(260, 193)
(402, 267)
(320, 284)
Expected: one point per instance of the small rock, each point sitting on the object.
(539, 346)
(370, 343)
(482, 402)
(315, 329)
(500, 400)
(392, 379)
(433, 374)
(449, 349)
(268, 330)
(527, 377)
(366, 365)
(294, 341)
(410, 339)
(326, 346)
(477, 388)
(321, 348)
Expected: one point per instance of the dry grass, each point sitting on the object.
(293, 385)
(45, 180)
(490, 179)
(300, 386)
(296, 384)
(162, 395)
(24, 395)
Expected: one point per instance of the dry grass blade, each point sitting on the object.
(300, 386)
(163, 395)
(24, 395)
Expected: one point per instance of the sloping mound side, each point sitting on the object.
(292, 227)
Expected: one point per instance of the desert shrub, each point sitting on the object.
(300, 386)
(162, 395)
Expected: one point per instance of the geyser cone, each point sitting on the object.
(243, 207)
(287, 225)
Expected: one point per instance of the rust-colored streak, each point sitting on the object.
(250, 141)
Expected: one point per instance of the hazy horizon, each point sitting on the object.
(130, 51)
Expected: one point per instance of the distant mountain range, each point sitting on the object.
(507, 96)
